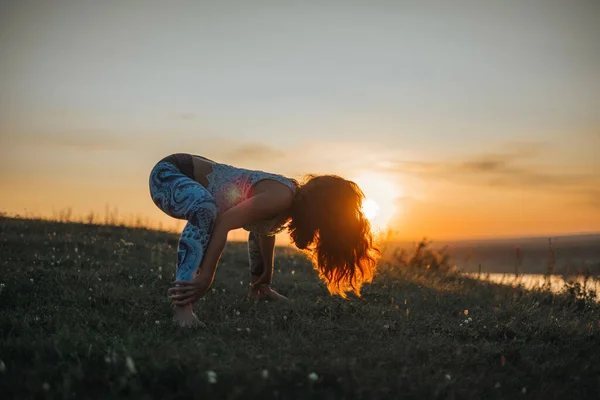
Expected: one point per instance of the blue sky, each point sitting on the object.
(482, 103)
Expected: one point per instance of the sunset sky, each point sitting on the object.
(459, 121)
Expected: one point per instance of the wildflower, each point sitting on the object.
(241, 283)
(460, 325)
(239, 329)
(89, 297)
(313, 376)
(214, 290)
(151, 269)
(466, 321)
(524, 390)
(146, 312)
(91, 290)
(470, 319)
(265, 374)
(159, 276)
(223, 290)
(130, 277)
(130, 365)
(497, 385)
(31, 280)
(46, 386)
(248, 330)
(107, 359)
(386, 326)
(448, 377)
(100, 279)
(211, 376)
(237, 312)
(142, 285)
(285, 317)
(159, 269)
(2, 366)
(157, 322)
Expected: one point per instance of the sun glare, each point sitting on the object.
(370, 208)
(379, 205)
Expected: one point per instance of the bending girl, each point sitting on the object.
(323, 217)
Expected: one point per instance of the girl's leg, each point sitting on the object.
(183, 198)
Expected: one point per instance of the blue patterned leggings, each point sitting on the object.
(183, 198)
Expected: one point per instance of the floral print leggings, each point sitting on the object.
(181, 197)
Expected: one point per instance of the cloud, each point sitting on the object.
(84, 139)
(253, 152)
(511, 170)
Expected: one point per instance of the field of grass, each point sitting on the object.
(84, 314)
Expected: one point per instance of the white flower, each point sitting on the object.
(470, 319)
(223, 290)
(151, 269)
(157, 322)
(91, 290)
(159, 269)
(313, 376)
(159, 276)
(285, 317)
(107, 359)
(466, 321)
(99, 279)
(448, 377)
(237, 312)
(241, 283)
(264, 374)
(497, 385)
(130, 277)
(90, 297)
(142, 285)
(248, 330)
(460, 325)
(524, 390)
(214, 290)
(31, 280)
(130, 365)
(46, 386)
(239, 329)
(146, 312)
(386, 326)
(2, 366)
(211, 376)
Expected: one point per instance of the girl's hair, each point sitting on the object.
(327, 221)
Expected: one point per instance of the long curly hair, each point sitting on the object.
(327, 222)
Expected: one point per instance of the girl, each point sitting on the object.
(323, 217)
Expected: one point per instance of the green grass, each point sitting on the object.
(77, 300)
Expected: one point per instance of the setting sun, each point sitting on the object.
(370, 208)
(379, 205)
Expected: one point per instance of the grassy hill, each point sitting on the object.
(84, 314)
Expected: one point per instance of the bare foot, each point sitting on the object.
(185, 318)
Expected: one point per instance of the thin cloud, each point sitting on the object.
(85, 140)
(254, 152)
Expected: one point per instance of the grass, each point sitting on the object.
(84, 314)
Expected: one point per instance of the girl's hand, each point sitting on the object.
(189, 291)
(264, 292)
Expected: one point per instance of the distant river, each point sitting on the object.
(534, 281)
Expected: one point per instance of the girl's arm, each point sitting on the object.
(256, 208)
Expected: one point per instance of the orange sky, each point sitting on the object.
(460, 122)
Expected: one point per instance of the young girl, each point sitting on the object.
(323, 217)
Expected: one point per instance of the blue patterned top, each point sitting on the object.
(230, 186)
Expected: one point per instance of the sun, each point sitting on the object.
(370, 208)
(379, 205)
